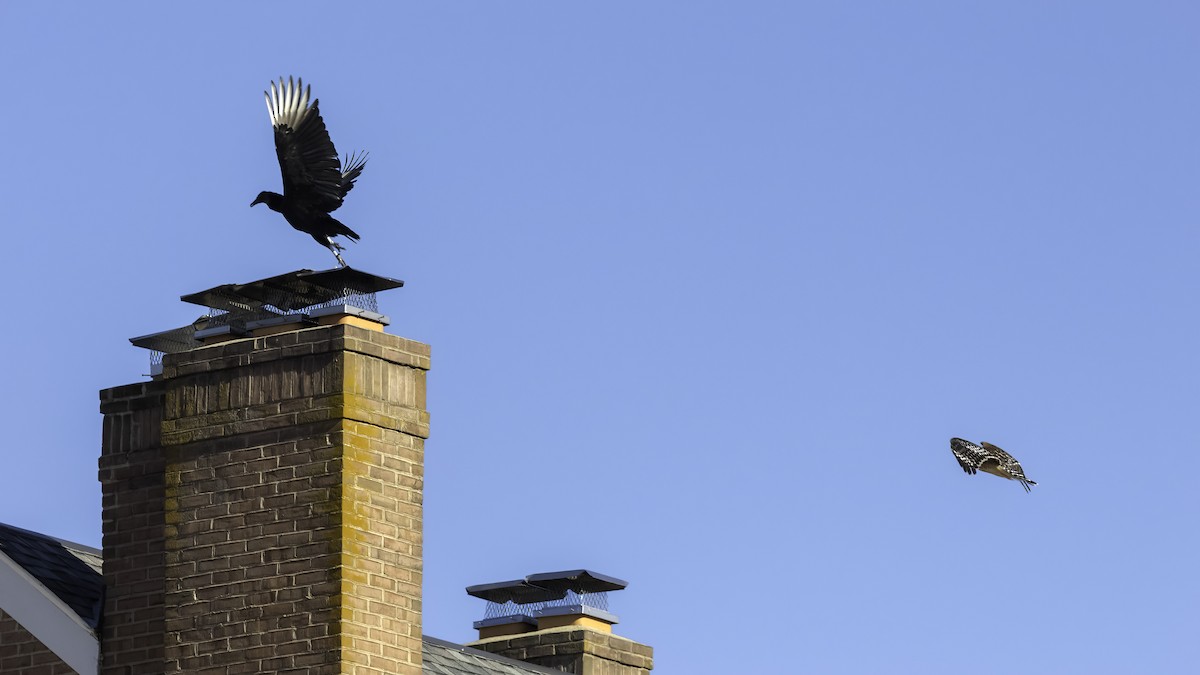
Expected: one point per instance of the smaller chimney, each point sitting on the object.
(559, 620)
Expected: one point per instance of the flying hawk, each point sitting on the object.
(315, 181)
(989, 459)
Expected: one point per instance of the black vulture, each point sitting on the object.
(314, 181)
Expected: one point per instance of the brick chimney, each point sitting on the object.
(262, 502)
(559, 620)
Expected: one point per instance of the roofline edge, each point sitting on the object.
(48, 618)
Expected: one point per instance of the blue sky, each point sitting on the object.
(709, 287)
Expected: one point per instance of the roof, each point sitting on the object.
(71, 571)
(446, 658)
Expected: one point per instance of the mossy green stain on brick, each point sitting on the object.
(372, 424)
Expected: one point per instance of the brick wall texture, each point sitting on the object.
(23, 654)
(131, 482)
(291, 477)
(582, 651)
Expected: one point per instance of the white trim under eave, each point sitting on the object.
(48, 618)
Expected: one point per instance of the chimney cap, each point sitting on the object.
(293, 290)
(171, 341)
(546, 587)
(580, 581)
(288, 301)
(515, 591)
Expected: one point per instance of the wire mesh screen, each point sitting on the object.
(367, 301)
(571, 599)
(278, 302)
(594, 600)
(495, 610)
(217, 317)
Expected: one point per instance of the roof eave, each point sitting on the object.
(48, 618)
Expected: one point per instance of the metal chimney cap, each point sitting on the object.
(580, 581)
(516, 591)
(546, 587)
(293, 290)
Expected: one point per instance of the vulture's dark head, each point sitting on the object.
(271, 199)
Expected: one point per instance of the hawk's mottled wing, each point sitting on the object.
(1001, 456)
(970, 456)
(989, 459)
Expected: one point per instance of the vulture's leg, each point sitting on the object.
(334, 247)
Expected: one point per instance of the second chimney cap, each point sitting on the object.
(546, 587)
(580, 581)
(516, 591)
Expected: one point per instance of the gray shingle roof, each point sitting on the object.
(70, 571)
(446, 658)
